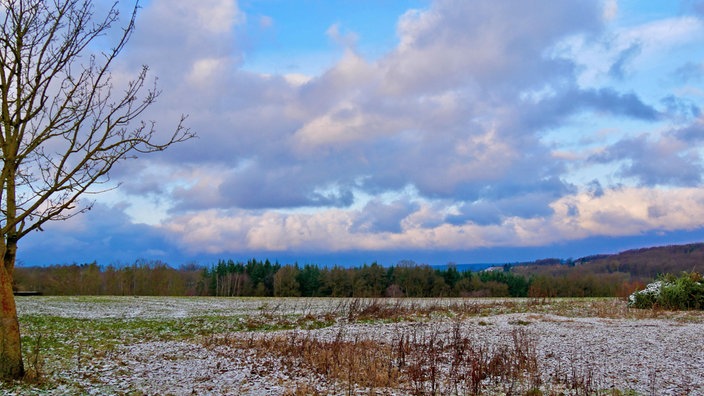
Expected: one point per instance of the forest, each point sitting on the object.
(615, 275)
(264, 278)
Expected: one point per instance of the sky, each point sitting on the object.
(353, 131)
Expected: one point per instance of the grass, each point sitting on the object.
(410, 362)
(417, 361)
(65, 339)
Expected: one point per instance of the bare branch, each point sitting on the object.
(64, 125)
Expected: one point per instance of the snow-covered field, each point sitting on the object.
(227, 346)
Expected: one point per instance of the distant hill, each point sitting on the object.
(646, 263)
(476, 267)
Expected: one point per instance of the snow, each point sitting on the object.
(144, 307)
(657, 355)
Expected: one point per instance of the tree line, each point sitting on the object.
(406, 279)
(266, 279)
(146, 278)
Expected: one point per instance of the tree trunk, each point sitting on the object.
(11, 366)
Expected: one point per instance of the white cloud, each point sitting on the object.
(345, 40)
(217, 16)
(297, 79)
(630, 211)
(207, 71)
(456, 112)
(343, 125)
(648, 43)
(618, 212)
(202, 17)
(610, 9)
(661, 35)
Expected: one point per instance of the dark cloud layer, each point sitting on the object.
(380, 217)
(662, 162)
(105, 234)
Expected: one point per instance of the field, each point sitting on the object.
(302, 346)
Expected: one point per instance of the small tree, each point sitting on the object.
(285, 282)
(64, 125)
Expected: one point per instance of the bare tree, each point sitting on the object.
(64, 123)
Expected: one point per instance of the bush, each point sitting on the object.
(669, 292)
(647, 297)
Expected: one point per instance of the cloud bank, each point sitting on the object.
(489, 124)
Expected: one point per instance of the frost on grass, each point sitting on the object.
(297, 346)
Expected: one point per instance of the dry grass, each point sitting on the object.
(415, 361)
(395, 310)
(421, 360)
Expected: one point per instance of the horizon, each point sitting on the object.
(326, 264)
(427, 130)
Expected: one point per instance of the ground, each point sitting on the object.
(256, 346)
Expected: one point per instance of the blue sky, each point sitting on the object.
(357, 131)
